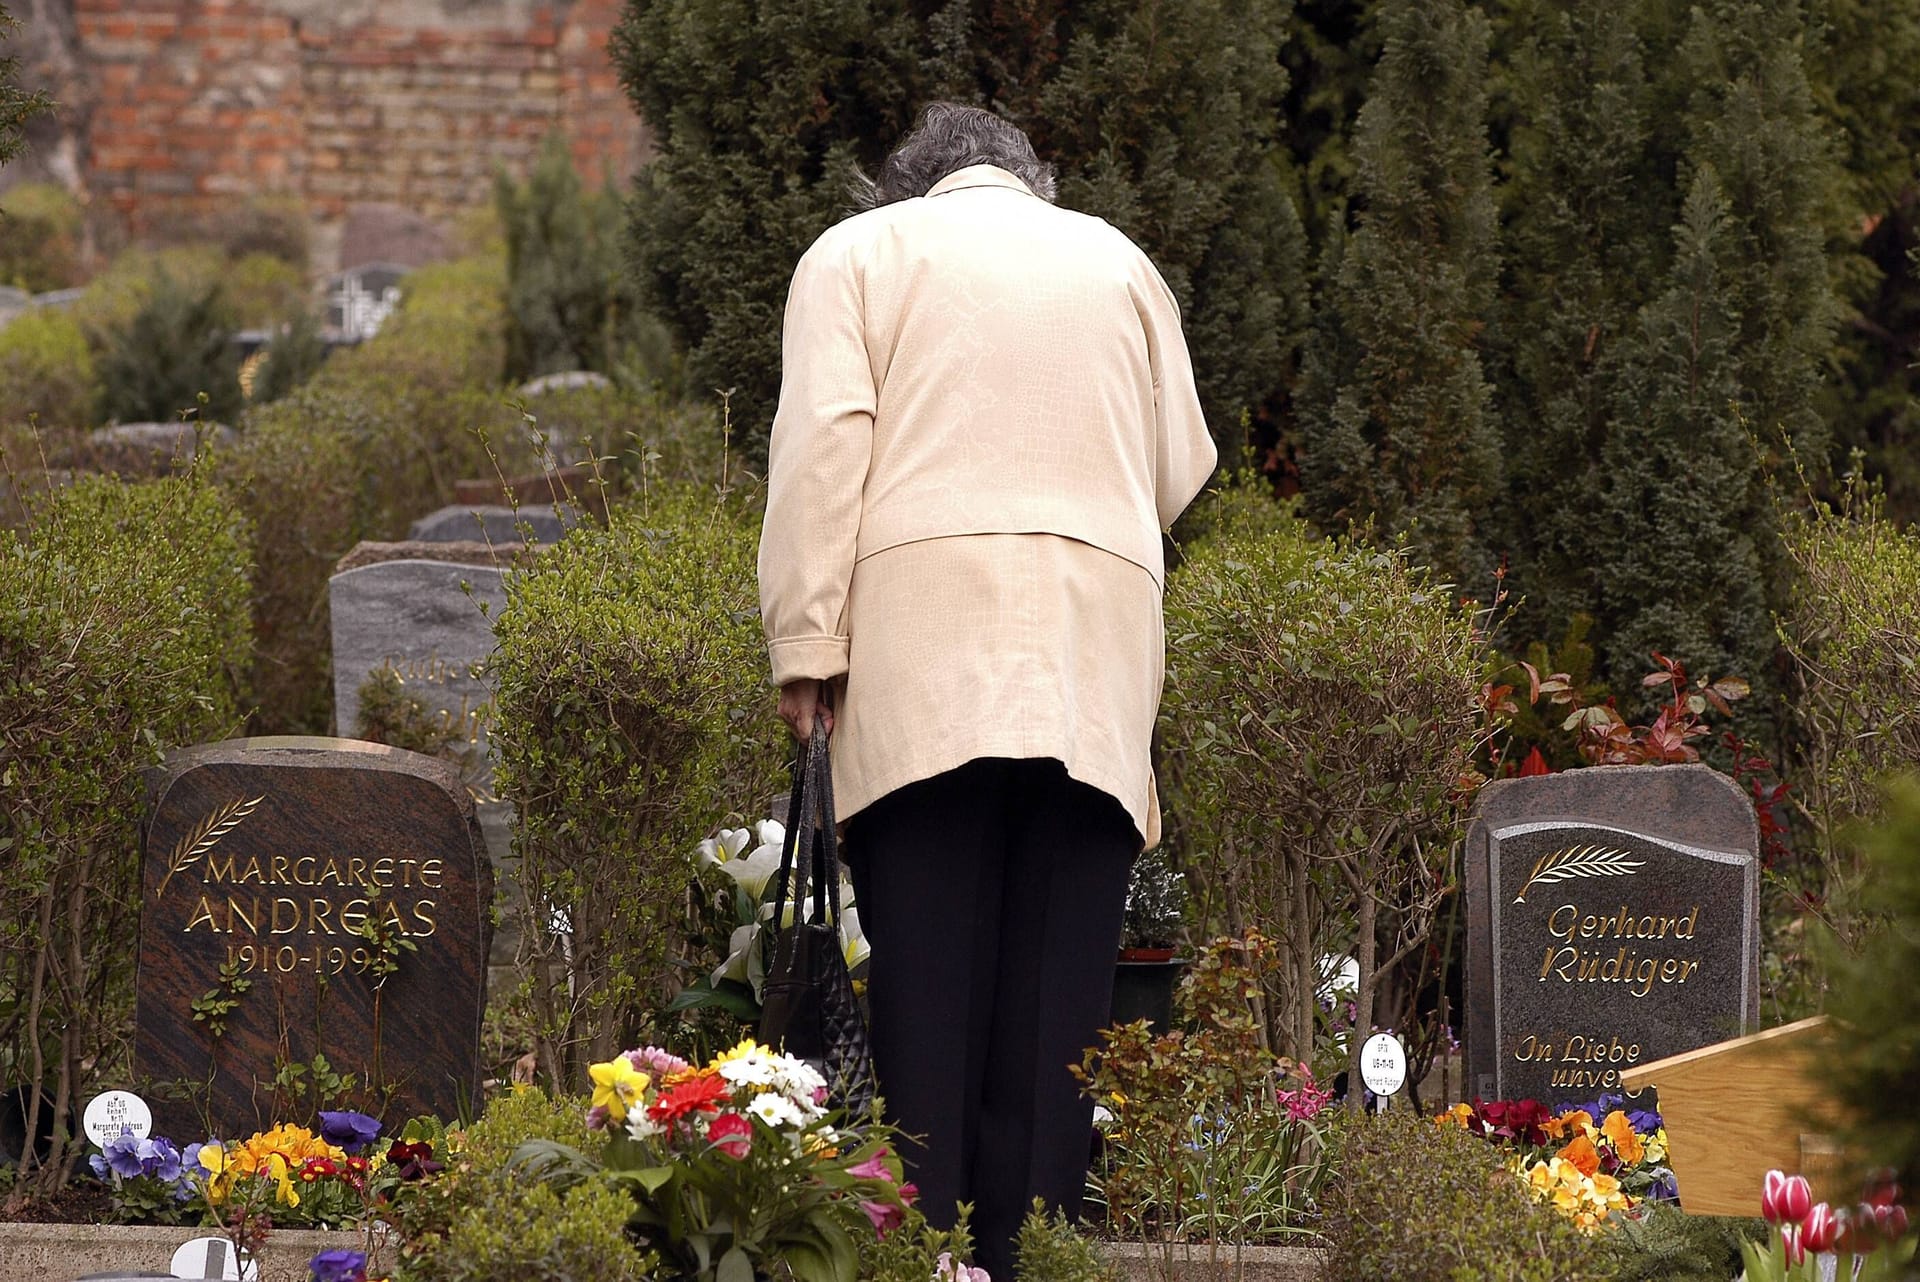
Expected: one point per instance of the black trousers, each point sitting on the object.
(992, 897)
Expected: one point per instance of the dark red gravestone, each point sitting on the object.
(314, 897)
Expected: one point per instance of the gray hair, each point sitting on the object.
(950, 137)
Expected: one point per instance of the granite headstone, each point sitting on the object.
(495, 523)
(298, 865)
(431, 622)
(1612, 921)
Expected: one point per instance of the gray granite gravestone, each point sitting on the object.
(424, 620)
(495, 523)
(416, 608)
(301, 866)
(1612, 920)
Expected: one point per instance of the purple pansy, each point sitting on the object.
(349, 1130)
(160, 1159)
(123, 1155)
(338, 1265)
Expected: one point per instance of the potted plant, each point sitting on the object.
(1147, 970)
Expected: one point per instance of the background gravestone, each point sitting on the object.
(417, 608)
(1612, 920)
(273, 858)
(360, 299)
(491, 522)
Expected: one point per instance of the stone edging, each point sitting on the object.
(49, 1252)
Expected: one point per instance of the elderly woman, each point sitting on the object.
(987, 419)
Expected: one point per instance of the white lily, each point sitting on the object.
(744, 962)
(770, 832)
(714, 852)
(853, 942)
(753, 872)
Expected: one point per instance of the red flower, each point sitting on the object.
(1534, 765)
(702, 1094)
(1785, 1199)
(315, 1168)
(731, 1133)
(1820, 1229)
(885, 1218)
(414, 1160)
(1790, 1240)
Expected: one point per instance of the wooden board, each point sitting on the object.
(1738, 1109)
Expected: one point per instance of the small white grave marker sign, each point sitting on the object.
(111, 1114)
(1383, 1067)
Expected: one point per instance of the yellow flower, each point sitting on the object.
(1459, 1115)
(1657, 1146)
(617, 1086)
(746, 1047)
(277, 1167)
(220, 1172)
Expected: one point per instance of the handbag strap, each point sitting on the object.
(810, 819)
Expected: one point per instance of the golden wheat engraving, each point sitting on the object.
(1579, 861)
(193, 847)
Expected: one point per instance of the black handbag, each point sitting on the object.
(808, 1008)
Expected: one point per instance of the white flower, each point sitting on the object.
(798, 1081)
(755, 1068)
(717, 852)
(770, 832)
(755, 871)
(642, 1127)
(853, 941)
(775, 1109)
(746, 960)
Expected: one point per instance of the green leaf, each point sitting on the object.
(735, 1267)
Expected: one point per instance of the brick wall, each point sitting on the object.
(413, 102)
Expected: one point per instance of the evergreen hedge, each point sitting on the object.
(1162, 119)
(123, 632)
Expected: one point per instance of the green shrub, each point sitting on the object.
(1049, 1249)
(1321, 710)
(1877, 1011)
(123, 631)
(1852, 624)
(1668, 1245)
(294, 356)
(47, 371)
(481, 1221)
(1422, 1203)
(265, 291)
(39, 238)
(176, 348)
(568, 298)
(115, 296)
(373, 441)
(631, 708)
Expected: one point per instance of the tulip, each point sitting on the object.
(1790, 1239)
(1785, 1199)
(1820, 1230)
(1892, 1221)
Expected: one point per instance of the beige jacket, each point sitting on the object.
(971, 364)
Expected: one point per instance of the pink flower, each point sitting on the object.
(909, 1193)
(1820, 1229)
(874, 1168)
(1795, 1248)
(651, 1059)
(1306, 1103)
(731, 1133)
(597, 1117)
(885, 1218)
(948, 1269)
(1785, 1199)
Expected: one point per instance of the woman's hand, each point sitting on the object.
(798, 702)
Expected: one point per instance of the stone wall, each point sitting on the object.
(189, 104)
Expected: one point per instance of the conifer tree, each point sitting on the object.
(1588, 217)
(1751, 119)
(1396, 420)
(1162, 120)
(1681, 508)
(16, 105)
(568, 303)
